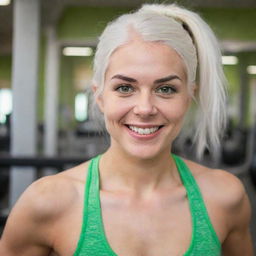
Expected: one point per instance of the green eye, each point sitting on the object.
(166, 90)
(125, 89)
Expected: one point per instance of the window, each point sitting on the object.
(81, 107)
(5, 104)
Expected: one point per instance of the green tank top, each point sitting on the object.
(93, 241)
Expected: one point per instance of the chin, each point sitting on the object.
(145, 153)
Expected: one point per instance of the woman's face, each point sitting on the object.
(145, 98)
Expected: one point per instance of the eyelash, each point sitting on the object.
(130, 89)
(171, 89)
(122, 86)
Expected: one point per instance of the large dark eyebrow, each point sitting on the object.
(166, 79)
(160, 80)
(125, 78)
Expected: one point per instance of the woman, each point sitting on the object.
(139, 199)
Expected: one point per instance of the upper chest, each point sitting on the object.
(132, 227)
(161, 225)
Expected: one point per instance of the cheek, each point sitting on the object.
(183, 109)
(115, 109)
(176, 110)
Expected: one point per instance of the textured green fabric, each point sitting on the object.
(93, 241)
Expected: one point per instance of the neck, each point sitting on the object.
(120, 171)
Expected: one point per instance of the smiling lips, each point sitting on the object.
(144, 131)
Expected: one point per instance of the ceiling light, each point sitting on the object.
(77, 51)
(251, 70)
(229, 60)
(5, 2)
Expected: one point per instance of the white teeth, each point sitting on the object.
(143, 131)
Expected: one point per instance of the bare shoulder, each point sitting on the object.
(228, 207)
(220, 185)
(52, 195)
(38, 211)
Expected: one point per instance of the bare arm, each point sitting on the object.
(238, 241)
(27, 231)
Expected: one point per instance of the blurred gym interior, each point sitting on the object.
(46, 122)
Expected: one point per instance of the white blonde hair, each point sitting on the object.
(194, 41)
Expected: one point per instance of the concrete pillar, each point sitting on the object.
(26, 27)
(51, 95)
(244, 93)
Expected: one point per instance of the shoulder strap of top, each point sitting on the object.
(204, 234)
(92, 239)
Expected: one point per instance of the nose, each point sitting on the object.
(144, 105)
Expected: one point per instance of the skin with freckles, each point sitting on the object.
(144, 204)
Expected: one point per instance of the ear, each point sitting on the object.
(194, 90)
(98, 98)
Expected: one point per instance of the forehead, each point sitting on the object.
(140, 57)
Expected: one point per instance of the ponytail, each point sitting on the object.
(210, 80)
